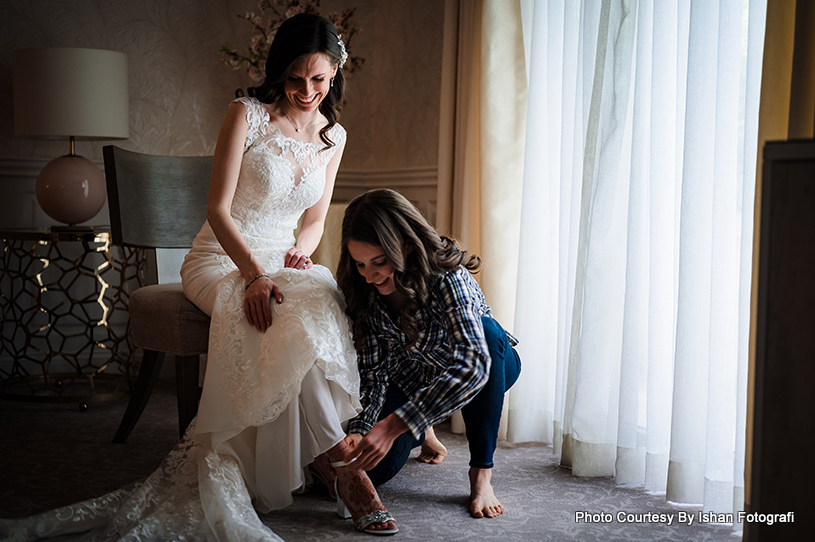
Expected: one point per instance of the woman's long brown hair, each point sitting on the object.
(386, 219)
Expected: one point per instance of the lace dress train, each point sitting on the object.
(272, 400)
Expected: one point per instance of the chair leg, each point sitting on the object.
(186, 379)
(145, 382)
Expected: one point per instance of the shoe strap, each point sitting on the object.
(337, 464)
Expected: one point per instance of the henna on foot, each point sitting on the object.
(359, 494)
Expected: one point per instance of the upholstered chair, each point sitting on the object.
(160, 202)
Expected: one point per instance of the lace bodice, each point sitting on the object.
(280, 177)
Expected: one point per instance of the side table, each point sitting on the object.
(64, 327)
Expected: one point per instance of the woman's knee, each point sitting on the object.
(496, 337)
(505, 360)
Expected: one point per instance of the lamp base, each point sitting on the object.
(71, 189)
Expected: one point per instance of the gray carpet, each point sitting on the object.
(53, 455)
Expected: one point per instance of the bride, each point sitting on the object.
(281, 376)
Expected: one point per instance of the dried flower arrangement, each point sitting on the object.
(271, 16)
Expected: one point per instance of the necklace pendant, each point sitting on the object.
(293, 125)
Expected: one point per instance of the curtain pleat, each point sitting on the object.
(630, 461)
(663, 165)
(686, 465)
(532, 418)
(598, 309)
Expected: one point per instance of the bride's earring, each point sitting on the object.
(332, 82)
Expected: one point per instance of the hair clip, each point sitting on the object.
(344, 53)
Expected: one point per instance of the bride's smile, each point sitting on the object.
(306, 86)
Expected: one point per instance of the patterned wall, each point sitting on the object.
(179, 89)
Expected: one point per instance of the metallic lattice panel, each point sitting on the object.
(64, 299)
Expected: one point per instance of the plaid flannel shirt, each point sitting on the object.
(442, 372)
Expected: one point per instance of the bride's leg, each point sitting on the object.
(322, 422)
(356, 489)
(321, 419)
(321, 469)
(322, 413)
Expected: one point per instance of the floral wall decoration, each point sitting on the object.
(271, 16)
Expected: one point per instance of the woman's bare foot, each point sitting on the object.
(483, 502)
(433, 451)
(357, 491)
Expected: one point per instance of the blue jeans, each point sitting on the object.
(482, 415)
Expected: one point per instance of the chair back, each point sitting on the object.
(156, 201)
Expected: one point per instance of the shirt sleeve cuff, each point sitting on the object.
(358, 426)
(415, 421)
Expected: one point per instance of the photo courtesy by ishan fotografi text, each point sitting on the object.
(681, 517)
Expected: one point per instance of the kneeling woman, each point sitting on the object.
(426, 340)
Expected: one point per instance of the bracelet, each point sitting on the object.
(257, 277)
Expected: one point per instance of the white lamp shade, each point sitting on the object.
(62, 92)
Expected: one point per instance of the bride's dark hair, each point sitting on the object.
(299, 37)
(386, 219)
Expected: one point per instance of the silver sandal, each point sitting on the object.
(362, 524)
(378, 516)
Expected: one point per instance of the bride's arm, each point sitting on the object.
(314, 218)
(223, 182)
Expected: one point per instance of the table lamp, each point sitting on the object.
(70, 93)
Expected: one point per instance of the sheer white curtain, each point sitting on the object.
(636, 241)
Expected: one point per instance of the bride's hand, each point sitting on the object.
(296, 258)
(257, 302)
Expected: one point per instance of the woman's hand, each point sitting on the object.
(296, 259)
(376, 444)
(257, 303)
(353, 439)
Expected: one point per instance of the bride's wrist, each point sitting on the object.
(256, 278)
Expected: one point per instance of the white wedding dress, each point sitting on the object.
(272, 400)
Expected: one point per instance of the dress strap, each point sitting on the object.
(256, 117)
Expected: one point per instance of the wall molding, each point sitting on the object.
(21, 168)
(418, 184)
(421, 176)
(28, 168)
(19, 209)
(424, 176)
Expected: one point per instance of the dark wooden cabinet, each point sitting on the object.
(783, 460)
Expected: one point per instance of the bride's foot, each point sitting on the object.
(433, 451)
(483, 502)
(360, 496)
